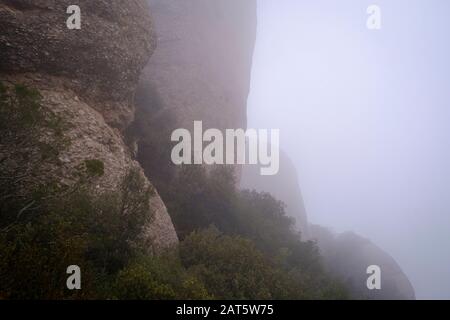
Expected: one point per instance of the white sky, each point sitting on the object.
(365, 116)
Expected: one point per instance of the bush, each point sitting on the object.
(262, 218)
(99, 233)
(197, 199)
(235, 244)
(94, 167)
(159, 278)
(230, 267)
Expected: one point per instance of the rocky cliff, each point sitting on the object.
(200, 71)
(202, 65)
(88, 78)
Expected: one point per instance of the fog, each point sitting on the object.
(364, 116)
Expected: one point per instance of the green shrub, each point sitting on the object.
(230, 267)
(250, 252)
(94, 167)
(99, 233)
(159, 278)
(197, 199)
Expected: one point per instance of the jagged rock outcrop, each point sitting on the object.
(87, 77)
(348, 255)
(284, 186)
(201, 68)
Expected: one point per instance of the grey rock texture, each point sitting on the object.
(88, 77)
(101, 62)
(202, 66)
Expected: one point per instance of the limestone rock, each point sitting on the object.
(101, 62)
(201, 68)
(88, 77)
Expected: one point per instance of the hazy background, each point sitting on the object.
(364, 115)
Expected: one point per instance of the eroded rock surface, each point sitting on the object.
(88, 77)
(202, 66)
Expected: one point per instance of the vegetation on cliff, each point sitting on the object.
(235, 245)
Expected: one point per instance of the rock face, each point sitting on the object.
(101, 62)
(200, 71)
(88, 77)
(348, 255)
(201, 68)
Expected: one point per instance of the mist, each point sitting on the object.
(363, 114)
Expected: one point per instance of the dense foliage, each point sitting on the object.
(234, 244)
(101, 234)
